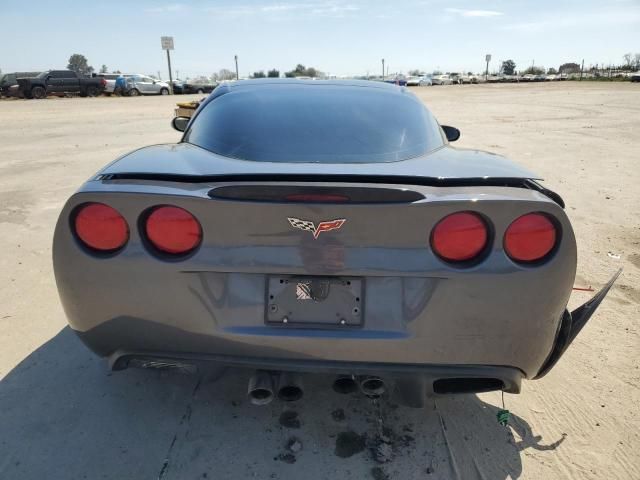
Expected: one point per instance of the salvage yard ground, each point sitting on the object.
(63, 415)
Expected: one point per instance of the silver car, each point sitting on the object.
(144, 85)
(419, 81)
(289, 233)
(444, 79)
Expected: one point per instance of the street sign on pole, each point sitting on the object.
(487, 57)
(167, 44)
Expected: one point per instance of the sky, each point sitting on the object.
(340, 37)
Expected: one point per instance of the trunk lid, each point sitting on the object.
(186, 162)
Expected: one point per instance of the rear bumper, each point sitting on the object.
(572, 323)
(433, 379)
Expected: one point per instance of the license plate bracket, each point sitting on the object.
(314, 300)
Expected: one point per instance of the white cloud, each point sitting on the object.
(326, 8)
(169, 8)
(334, 9)
(608, 19)
(474, 13)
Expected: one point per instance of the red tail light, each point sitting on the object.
(459, 237)
(530, 238)
(173, 230)
(101, 227)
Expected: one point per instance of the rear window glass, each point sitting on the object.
(327, 124)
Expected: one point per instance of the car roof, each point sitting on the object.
(257, 85)
(294, 81)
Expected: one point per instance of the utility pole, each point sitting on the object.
(237, 74)
(487, 58)
(383, 69)
(581, 69)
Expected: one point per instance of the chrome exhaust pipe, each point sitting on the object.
(345, 384)
(372, 386)
(260, 390)
(289, 387)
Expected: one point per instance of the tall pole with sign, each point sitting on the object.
(235, 57)
(486, 72)
(383, 69)
(167, 44)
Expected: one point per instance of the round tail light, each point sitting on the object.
(101, 227)
(530, 238)
(173, 230)
(459, 237)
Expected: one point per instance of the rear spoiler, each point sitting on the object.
(343, 178)
(572, 323)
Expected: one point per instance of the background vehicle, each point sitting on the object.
(399, 80)
(185, 87)
(635, 77)
(178, 87)
(444, 79)
(144, 85)
(60, 82)
(419, 81)
(9, 80)
(466, 78)
(110, 79)
(189, 87)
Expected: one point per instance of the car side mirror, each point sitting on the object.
(180, 123)
(452, 133)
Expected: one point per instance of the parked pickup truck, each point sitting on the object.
(60, 81)
(9, 82)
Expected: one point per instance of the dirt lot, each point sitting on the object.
(63, 415)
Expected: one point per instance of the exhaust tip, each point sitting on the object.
(260, 391)
(290, 393)
(345, 384)
(372, 386)
(290, 387)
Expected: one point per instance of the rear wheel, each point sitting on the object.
(38, 92)
(93, 91)
(134, 92)
(164, 91)
(200, 91)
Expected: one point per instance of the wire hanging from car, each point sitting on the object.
(503, 415)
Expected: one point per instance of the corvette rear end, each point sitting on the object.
(447, 272)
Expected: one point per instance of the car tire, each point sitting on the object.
(134, 92)
(38, 92)
(164, 91)
(93, 92)
(200, 91)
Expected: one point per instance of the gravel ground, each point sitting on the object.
(64, 415)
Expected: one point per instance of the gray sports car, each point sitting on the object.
(322, 226)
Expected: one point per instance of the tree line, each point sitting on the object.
(631, 63)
